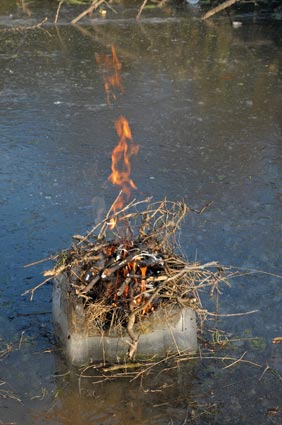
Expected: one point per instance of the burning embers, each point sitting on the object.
(124, 277)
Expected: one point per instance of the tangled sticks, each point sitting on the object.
(126, 273)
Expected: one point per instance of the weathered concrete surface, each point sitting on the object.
(165, 331)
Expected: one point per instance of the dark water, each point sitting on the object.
(204, 103)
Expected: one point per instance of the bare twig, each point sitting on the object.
(235, 361)
(103, 228)
(94, 5)
(6, 394)
(58, 11)
(91, 284)
(134, 337)
(222, 358)
(232, 314)
(52, 257)
(218, 8)
(253, 271)
(32, 290)
(6, 350)
(203, 208)
(104, 223)
(141, 10)
(125, 366)
(25, 28)
(109, 271)
(267, 368)
(110, 7)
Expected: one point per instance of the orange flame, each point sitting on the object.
(121, 167)
(110, 66)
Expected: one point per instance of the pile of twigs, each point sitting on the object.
(124, 273)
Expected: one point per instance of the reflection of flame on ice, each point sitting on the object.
(110, 66)
(121, 167)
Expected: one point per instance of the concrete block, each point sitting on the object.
(165, 331)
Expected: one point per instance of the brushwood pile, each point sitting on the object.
(130, 265)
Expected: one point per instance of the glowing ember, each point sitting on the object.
(121, 167)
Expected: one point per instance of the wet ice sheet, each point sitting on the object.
(204, 104)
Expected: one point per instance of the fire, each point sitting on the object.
(121, 166)
(110, 67)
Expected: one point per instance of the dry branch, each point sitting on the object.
(25, 28)
(218, 8)
(58, 11)
(32, 290)
(94, 5)
(141, 10)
